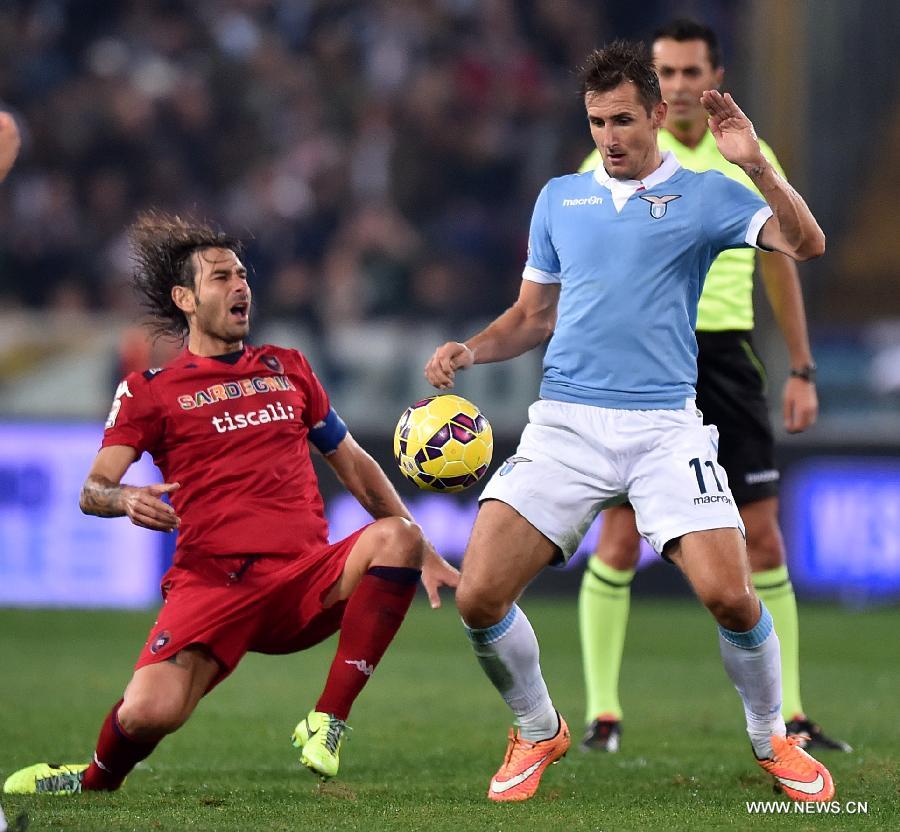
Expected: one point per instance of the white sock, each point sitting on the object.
(753, 662)
(509, 654)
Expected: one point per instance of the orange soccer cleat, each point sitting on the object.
(524, 763)
(800, 776)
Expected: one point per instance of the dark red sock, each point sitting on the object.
(116, 755)
(374, 613)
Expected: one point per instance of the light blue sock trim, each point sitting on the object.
(496, 631)
(752, 638)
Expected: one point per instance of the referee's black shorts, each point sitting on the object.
(731, 393)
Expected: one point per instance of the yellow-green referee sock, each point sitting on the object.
(603, 605)
(774, 588)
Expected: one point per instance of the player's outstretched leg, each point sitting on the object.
(118, 752)
(504, 553)
(116, 755)
(752, 660)
(158, 700)
(46, 778)
(509, 654)
(715, 563)
(379, 581)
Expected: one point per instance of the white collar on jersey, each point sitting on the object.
(623, 189)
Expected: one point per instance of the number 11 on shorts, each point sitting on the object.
(698, 471)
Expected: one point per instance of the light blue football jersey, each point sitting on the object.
(631, 258)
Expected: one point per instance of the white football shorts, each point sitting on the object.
(574, 460)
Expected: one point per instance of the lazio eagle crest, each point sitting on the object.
(658, 204)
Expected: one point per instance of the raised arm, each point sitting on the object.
(792, 229)
(526, 324)
(363, 478)
(800, 404)
(104, 495)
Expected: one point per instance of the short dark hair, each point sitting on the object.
(683, 29)
(618, 62)
(162, 246)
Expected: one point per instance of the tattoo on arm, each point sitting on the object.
(755, 170)
(101, 497)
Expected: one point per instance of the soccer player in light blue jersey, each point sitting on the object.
(732, 394)
(617, 260)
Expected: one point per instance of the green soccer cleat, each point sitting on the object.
(319, 739)
(46, 778)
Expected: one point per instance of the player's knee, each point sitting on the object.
(735, 608)
(149, 718)
(765, 548)
(401, 543)
(619, 545)
(618, 554)
(479, 607)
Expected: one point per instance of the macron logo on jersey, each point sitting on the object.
(587, 200)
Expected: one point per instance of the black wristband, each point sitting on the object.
(807, 373)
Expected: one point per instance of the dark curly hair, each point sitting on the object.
(621, 61)
(162, 246)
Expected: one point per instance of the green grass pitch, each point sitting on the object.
(429, 730)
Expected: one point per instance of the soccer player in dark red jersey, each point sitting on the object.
(229, 426)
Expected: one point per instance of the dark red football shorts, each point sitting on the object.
(235, 605)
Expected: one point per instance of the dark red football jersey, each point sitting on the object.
(235, 436)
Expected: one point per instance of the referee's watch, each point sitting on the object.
(807, 372)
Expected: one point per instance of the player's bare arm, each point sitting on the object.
(104, 495)
(9, 143)
(363, 477)
(800, 404)
(526, 324)
(793, 229)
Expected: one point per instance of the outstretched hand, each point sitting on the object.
(732, 130)
(436, 572)
(447, 359)
(144, 507)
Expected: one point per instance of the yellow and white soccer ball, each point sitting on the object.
(443, 443)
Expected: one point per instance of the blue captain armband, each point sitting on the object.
(329, 433)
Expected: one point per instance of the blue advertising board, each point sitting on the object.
(50, 553)
(842, 525)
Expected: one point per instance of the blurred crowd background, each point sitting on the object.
(381, 157)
